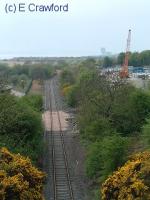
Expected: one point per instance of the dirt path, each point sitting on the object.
(36, 87)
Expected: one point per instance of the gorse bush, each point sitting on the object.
(19, 180)
(70, 95)
(131, 181)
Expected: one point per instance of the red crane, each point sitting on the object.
(124, 73)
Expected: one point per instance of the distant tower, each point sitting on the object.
(103, 51)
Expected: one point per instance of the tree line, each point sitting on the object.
(135, 59)
(20, 76)
(21, 135)
(21, 147)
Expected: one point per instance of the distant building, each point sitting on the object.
(5, 89)
(9, 90)
(104, 52)
(136, 69)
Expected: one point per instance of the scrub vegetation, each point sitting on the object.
(20, 76)
(113, 119)
(21, 125)
(19, 179)
(21, 135)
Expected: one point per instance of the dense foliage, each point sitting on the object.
(111, 114)
(106, 155)
(20, 76)
(135, 59)
(19, 179)
(20, 124)
(3, 76)
(130, 181)
(21, 131)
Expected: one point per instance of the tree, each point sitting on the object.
(19, 179)
(20, 125)
(3, 84)
(131, 181)
(22, 120)
(34, 101)
(94, 157)
(145, 57)
(130, 110)
(3, 77)
(106, 155)
(135, 59)
(67, 77)
(69, 93)
(121, 57)
(118, 102)
(114, 151)
(88, 63)
(38, 73)
(146, 133)
(14, 80)
(98, 129)
(108, 62)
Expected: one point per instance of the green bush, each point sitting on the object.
(34, 101)
(114, 152)
(20, 126)
(71, 96)
(106, 155)
(146, 134)
(98, 129)
(129, 114)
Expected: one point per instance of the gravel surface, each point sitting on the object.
(75, 151)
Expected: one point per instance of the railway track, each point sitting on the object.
(60, 185)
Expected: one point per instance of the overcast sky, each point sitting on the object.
(88, 26)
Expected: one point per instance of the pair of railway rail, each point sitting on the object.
(60, 175)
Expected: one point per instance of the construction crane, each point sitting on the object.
(124, 73)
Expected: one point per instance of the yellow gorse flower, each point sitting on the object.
(19, 179)
(130, 182)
